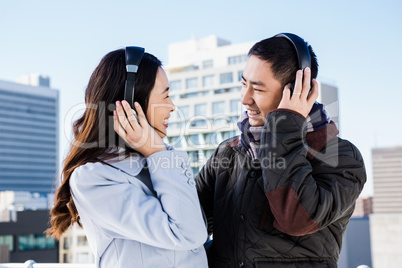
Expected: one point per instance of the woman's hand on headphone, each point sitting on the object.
(302, 99)
(137, 133)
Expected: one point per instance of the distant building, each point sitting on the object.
(24, 239)
(74, 247)
(386, 240)
(29, 139)
(356, 245)
(387, 178)
(11, 201)
(364, 207)
(205, 83)
(386, 222)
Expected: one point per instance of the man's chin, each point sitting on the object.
(256, 122)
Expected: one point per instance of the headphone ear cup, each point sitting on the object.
(292, 87)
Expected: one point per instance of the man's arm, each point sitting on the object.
(205, 184)
(305, 198)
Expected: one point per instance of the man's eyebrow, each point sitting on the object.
(166, 89)
(257, 83)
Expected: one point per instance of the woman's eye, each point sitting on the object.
(243, 83)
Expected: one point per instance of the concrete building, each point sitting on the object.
(205, 83)
(387, 178)
(386, 222)
(29, 140)
(364, 207)
(74, 247)
(24, 239)
(386, 240)
(11, 202)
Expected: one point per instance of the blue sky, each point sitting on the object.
(358, 44)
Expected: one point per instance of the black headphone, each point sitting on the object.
(133, 59)
(302, 51)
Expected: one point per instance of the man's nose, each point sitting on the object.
(246, 96)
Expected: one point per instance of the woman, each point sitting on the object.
(135, 196)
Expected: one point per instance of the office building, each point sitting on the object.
(24, 239)
(386, 222)
(205, 83)
(386, 239)
(74, 247)
(387, 178)
(29, 119)
(364, 207)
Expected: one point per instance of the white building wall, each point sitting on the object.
(386, 240)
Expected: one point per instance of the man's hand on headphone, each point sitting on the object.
(301, 100)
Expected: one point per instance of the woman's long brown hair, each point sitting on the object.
(94, 140)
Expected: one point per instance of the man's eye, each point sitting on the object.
(243, 83)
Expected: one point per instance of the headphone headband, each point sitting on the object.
(302, 51)
(133, 59)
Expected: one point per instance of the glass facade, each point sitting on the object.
(200, 109)
(208, 80)
(7, 240)
(218, 107)
(226, 78)
(237, 59)
(175, 85)
(28, 140)
(35, 241)
(191, 83)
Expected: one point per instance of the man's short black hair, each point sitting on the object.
(282, 56)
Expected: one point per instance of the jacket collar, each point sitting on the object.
(131, 165)
(316, 140)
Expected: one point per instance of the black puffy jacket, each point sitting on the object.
(290, 208)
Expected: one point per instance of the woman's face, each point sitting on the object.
(160, 105)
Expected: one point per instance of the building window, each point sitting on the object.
(211, 139)
(228, 134)
(237, 59)
(83, 257)
(189, 95)
(200, 109)
(235, 106)
(82, 240)
(175, 85)
(207, 64)
(239, 75)
(208, 80)
(218, 107)
(194, 140)
(35, 241)
(199, 123)
(7, 240)
(183, 112)
(191, 83)
(226, 78)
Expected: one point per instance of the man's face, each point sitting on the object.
(261, 92)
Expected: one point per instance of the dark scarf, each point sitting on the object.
(317, 119)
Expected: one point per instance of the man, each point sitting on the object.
(281, 194)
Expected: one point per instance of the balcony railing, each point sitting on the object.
(32, 264)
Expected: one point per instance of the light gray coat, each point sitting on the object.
(128, 224)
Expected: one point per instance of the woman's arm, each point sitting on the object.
(171, 220)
